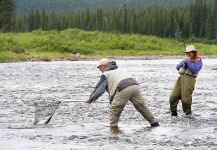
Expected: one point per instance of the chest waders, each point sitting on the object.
(182, 90)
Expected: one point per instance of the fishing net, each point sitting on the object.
(44, 111)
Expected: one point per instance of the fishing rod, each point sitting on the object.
(116, 12)
(178, 29)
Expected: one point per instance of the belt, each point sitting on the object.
(189, 75)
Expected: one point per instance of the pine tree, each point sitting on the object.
(99, 19)
(215, 18)
(125, 19)
(212, 23)
(197, 18)
(44, 21)
(7, 15)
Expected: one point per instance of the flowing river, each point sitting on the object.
(80, 126)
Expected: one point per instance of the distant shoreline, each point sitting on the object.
(75, 44)
(117, 57)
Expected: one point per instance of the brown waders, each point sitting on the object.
(182, 90)
(120, 100)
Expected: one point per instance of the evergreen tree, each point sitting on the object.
(212, 23)
(215, 18)
(7, 15)
(99, 19)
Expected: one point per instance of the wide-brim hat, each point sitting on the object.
(190, 48)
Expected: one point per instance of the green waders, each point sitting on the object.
(182, 90)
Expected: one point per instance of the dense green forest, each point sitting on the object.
(195, 20)
(198, 20)
(23, 6)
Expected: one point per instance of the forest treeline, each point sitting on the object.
(23, 6)
(197, 20)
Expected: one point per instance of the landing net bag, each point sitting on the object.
(44, 110)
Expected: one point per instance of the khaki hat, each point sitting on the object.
(103, 61)
(190, 48)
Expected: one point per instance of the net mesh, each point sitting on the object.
(44, 110)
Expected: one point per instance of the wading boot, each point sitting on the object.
(156, 124)
(115, 130)
(188, 115)
(174, 113)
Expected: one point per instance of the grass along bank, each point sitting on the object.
(49, 45)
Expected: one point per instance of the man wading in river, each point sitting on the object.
(184, 87)
(121, 88)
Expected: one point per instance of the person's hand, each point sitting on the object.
(89, 101)
(181, 70)
(186, 58)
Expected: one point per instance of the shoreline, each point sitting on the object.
(116, 57)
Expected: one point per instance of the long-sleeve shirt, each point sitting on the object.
(99, 89)
(193, 67)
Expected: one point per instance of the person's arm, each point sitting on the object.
(194, 67)
(99, 90)
(181, 64)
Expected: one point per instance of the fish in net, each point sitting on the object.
(44, 111)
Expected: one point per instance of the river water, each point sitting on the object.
(76, 125)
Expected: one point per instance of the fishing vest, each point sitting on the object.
(114, 77)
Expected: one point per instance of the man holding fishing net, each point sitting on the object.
(121, 87)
